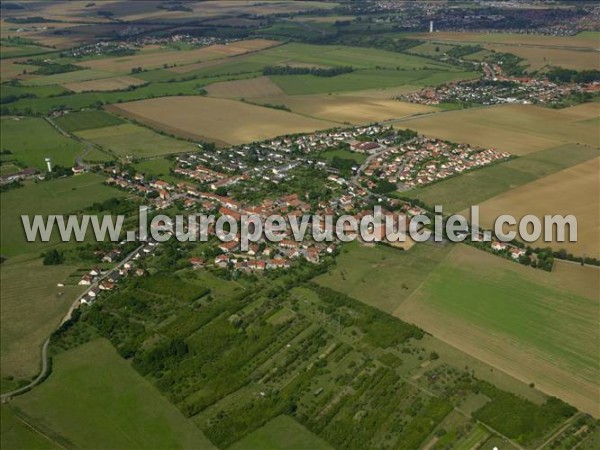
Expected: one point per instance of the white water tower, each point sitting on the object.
(49, 164)
(431, 26)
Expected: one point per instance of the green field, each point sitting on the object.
(472, 188)
(381, 276)
(14, 433)
(32, 306)
(60, 196)
(93, 156)
(431, 49)
(26, 324)
(87, 120)
(10, 50)
(501, 311)
(316, 55)
(94, 399)
(377, 68)
(157, 168)
(564, 326)
(31, 140)
(339, 55)
(471, 440)
(38, 91)
(9, 169)
(91, 99)
(281, 433)
(69, 77)
(365, 79)
(344, 154)
(134, 140)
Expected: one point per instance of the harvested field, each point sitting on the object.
(584, 111)
(475, 187)
(519, 320)
(572, 52)
(583, 41)
(205, 10)
(387, 93)
(575, 190)
(218, 120)
(159, 59)
(107, 84)
(253, 87)
(10, 69)
(540, 57)
(348, 109)
(582, 280)
(518, 129)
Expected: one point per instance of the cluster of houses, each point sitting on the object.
(263, 255)
(423, 161)
(31, 173)
(102, 281)
(405, 161)
(101, 48)
(504, 247)
(21, 175)
(493, 90)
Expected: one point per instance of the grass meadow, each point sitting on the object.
(32, 307)
(133, 140)
(26, 324)
(94, 398)
(344, 154)
(91, 99)
(15, 433)
(39, 91)
(60, 196)
(87, 120)
(31, 140)
(380, 276)
(520, 320)
(365, 79)
(281, 433)
(157, 168)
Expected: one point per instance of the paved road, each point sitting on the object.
(43, 373)
(6, 397)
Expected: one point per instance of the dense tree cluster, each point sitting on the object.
(53, 257)
(317, 71)
(560, 75)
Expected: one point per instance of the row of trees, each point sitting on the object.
(560, 75)
(317, 71)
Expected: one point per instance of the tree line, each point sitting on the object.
(317, 71)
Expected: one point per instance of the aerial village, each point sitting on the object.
(207, 179)
(495, 88)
